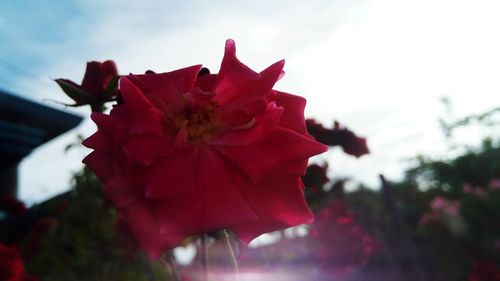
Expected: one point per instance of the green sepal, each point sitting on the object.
(78, 95)
(111, 88)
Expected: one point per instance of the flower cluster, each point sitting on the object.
(444, 211)
(338, 239)
(481, 191)
(188, 152)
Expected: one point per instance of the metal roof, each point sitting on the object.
(25, 125)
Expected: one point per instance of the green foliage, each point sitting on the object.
(485, 119)
(84, 245)
(477, 167)
(447, 245)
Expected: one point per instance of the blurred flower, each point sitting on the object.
(446, 206)
(99, 85)
(478, 191)
(11, 265)
(343, 137)
(481, 192)
(444, 211)
(467, 188)
(338, 240)
(429, 218)
(484, 271)
(11, 205)
(315, 177)
(187, 153)
(494, 184)
(36, 235)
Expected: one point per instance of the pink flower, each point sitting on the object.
(467, 188)
(446, 206)
(98, 85)
(185, 155)
(494, 184)
(478, 191)
(438, 203)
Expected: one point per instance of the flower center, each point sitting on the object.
(198, 118)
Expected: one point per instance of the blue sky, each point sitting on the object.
(379, 67)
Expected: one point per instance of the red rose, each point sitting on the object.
(98, 85)
(11, 265)
(185, 155)
(343, 137)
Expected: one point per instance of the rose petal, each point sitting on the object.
(238, 85)
(99, 141)
(297, 168)
(90, 81)
(281, 147)
(143, 223)
(108, 71)
(148, 121)
(164, 90)
(103, 121)
(111, 127)
(246, 92)
(145, 149)
(279, 202)
(293, 115)
(172, 176)
(220, 187)
(123, 191)
(102, 164)
(215, 203)
(132, 95)
(257, 131)
(206, 82)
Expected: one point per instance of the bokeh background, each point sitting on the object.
(399, 73)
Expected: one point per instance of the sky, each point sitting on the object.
(378, 67)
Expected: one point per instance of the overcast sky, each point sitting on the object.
(379, 67)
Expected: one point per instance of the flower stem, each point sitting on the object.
(169, 263)
(204, 257)
(227, 240)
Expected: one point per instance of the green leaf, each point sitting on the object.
(111, 88)
(75, 93)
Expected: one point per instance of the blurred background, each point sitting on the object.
(418, 79)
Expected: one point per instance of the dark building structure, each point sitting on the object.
(25, 125)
